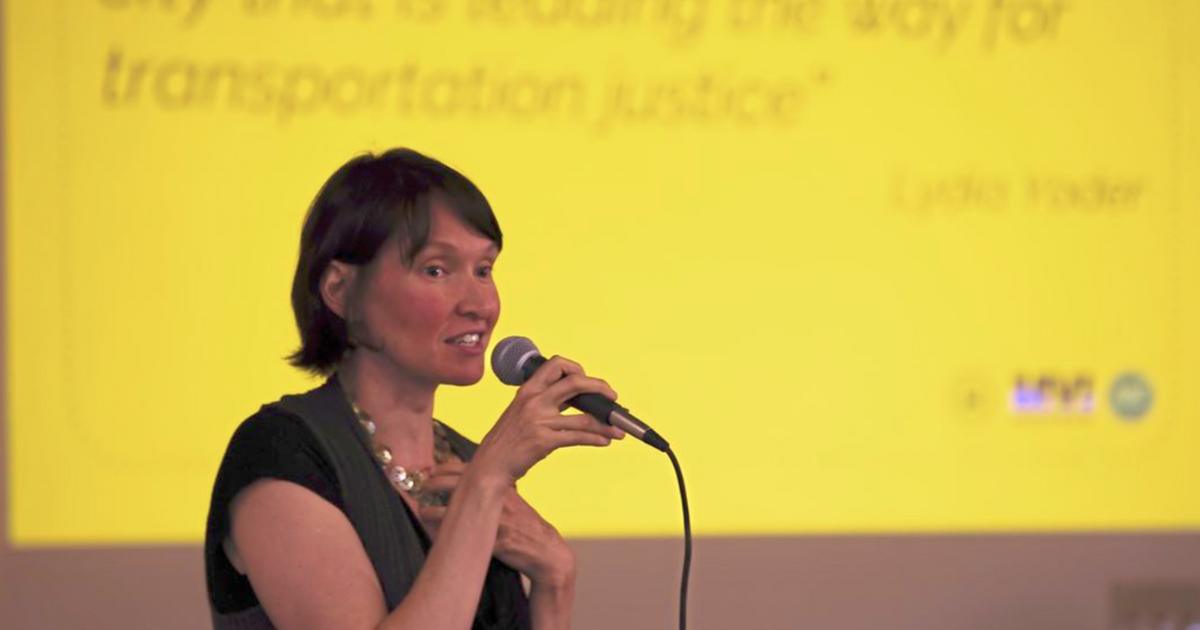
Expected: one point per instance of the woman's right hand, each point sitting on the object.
(533, 425)
(525, 541)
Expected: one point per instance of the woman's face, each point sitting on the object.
(432, 320)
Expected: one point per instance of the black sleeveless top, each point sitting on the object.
(313, 440)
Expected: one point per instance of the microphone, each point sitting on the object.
(515, 359)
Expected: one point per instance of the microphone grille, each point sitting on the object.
(510, 356)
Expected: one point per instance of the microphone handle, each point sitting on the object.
(604, 410)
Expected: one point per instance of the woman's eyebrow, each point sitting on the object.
(452, 248)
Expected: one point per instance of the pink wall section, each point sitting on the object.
(1030, 582)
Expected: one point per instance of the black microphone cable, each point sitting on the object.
(687, 542)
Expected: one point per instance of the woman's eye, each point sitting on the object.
(484, 272)
(434, 272)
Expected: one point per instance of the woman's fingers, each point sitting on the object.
(551, 372)
(575, 384)
(431, 517)
(584, 422)
(569, 437)
(432, 513)
(452, 465)
(444, 477)
(533, 426)
(441, 483)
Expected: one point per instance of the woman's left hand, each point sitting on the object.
(525, 541)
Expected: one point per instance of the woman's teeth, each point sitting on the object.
(468, 339)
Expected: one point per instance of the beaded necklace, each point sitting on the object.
(402, 479)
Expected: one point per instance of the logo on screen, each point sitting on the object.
(1053, 395)
(1131, 396)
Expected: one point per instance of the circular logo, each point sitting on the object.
(1131, 396)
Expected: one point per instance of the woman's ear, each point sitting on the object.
(336, 284)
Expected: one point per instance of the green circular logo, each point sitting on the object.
(1131, 396)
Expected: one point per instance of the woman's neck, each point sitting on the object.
(401, 408)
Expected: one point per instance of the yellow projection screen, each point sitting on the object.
(870, 265)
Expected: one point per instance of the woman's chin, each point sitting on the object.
(463, 378)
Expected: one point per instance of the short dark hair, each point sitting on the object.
(365, 203)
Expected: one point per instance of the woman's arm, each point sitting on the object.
(526, 542)
(310, 572)
(550, 604)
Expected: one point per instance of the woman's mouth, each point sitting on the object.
(469, 340)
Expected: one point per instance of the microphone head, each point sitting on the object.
(509, 357)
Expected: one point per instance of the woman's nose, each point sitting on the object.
(478, 300)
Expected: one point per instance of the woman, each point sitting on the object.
(327, 504)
